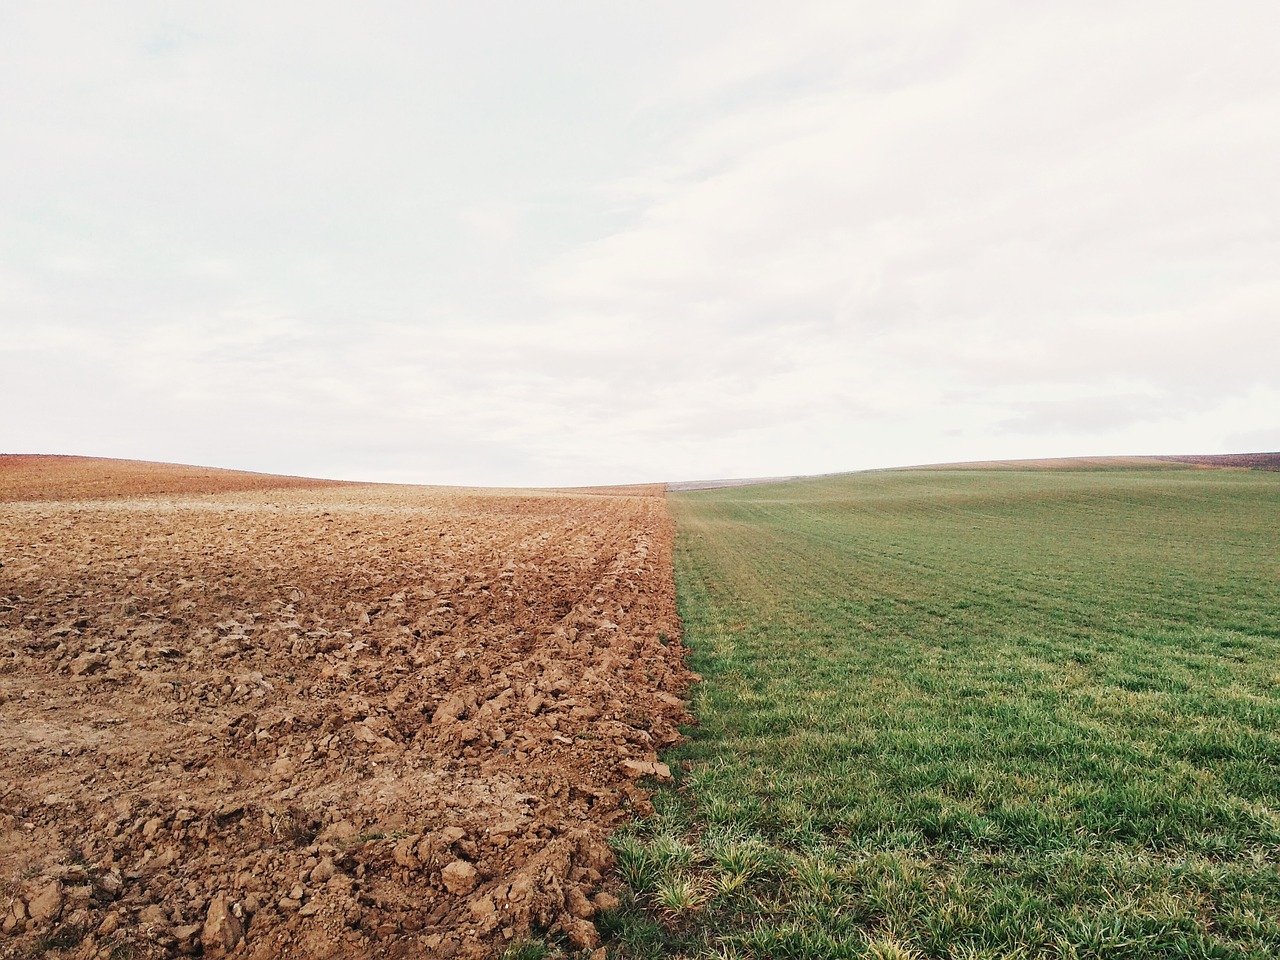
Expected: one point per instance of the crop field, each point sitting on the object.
(1012, 710)
(281, 718)
(979, 713)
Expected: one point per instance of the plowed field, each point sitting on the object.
(334, 721)
(24, 477)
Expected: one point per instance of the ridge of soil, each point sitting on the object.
(1240, 461)
(39, 476)
(355, 721)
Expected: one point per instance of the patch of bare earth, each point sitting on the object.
(27, 477)
(348, 721)
(1238, 461)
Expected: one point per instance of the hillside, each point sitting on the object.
(1238, 461)
(51, 477)
(964, 714)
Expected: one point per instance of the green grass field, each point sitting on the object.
(973, 714)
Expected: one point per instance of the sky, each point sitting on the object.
(575, 243)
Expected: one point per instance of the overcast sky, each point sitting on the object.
(569, 243)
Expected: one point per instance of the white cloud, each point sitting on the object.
(567, 247)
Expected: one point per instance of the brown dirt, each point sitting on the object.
(347, 721)
(1238, 461)
(25, 477)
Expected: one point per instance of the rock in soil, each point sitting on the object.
(222, 929)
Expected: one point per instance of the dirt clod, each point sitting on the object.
(646, 768)
(45, 905)
(222, 929)
(459, 877)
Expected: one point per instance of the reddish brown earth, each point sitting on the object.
(44, 477)
(1241, 461)
(337, 721)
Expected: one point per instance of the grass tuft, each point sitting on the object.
(530, 950)
(677, 894)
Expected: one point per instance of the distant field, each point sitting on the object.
(1233, 461)
(43, 477)
(971, 714)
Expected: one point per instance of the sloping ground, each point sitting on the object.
(349, 721)
(952, 714)
(1057, 463)
(624, 490)
(1240, 461)
(684, 486)
(1254, 461)
(43, 477)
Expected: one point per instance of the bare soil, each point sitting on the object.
(1239, 461)
(329, 721)
(43, 477)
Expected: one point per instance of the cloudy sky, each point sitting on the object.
(564, 243)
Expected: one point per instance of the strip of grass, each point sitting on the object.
(973, 714)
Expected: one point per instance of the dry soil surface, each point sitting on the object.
(338, 721)
(42, 477)
(1239, 461)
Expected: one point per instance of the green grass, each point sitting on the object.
(973, 714)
